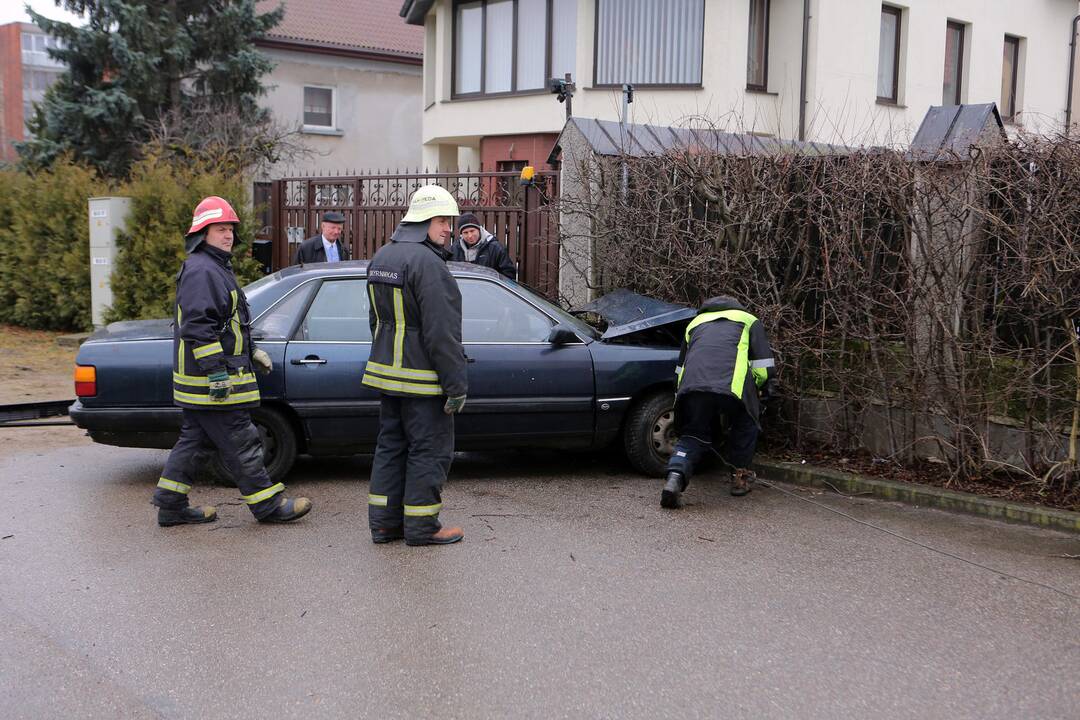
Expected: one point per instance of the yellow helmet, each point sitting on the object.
(431, 201)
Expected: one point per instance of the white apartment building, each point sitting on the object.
(837, 71)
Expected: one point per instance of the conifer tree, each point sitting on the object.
(137, 66)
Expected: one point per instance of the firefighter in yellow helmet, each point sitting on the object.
(417, 364)
(213, 379)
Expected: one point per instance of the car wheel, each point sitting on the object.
(279, 446)
(649, 435)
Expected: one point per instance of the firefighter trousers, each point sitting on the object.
(412, 458)
(700, 418)
(236, 440)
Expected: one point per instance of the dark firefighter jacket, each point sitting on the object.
(490, 253)
(210, 333)
(725, 351)
(415, 319)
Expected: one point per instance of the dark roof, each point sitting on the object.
(949, 131)
(607, 137)
(362, 26)
(414, 11)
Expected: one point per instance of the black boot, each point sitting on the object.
(288, 511)
(671, 497)
(380, 536)
(185, 516)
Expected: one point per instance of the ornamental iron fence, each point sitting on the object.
(522, 217)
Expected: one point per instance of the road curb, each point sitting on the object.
(915, 494)
(73, 340)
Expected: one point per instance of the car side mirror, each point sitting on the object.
(562, 335)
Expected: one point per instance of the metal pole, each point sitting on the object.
(1072, 71)
(802, 76)
(569, 96)
(627, 98)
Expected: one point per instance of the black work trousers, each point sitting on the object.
(699, 420)
(412, 458)
(236, 440)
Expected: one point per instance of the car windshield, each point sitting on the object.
(552, 309)
(258, 298)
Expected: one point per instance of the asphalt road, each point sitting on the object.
(573, 596)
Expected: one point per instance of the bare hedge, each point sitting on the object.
(950, 289)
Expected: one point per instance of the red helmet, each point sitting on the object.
(210, 211)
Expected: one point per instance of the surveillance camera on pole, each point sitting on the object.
(564, 88)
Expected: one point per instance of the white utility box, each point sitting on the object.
(108, 216)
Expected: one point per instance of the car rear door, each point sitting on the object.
(523, 390)
(324, 363)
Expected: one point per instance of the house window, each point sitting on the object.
(888, 74)
(511, 191)
(35, 49)
(318, 107)
(649, 43)
(952, 87)
(508, 46)
(757, 49)
(1010, 73)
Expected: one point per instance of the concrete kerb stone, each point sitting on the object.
(915, 494)
(73, 340)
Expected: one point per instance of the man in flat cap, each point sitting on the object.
(327, 246)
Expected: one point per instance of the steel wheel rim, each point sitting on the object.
(662, 436)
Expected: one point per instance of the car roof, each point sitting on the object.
(350, 267)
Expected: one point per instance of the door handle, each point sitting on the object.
(309, 360)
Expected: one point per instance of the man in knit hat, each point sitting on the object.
(477, 245)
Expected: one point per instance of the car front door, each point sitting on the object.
(523, 390)
(324, 363)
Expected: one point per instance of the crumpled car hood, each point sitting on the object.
(626, 312)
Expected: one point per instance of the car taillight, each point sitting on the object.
(85, 380)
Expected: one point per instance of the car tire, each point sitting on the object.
(649, 434)
(279, 446)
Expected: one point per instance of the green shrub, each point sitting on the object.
(149, 253)
(45, 256)
(12, 182)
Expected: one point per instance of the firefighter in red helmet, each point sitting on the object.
(213, 380)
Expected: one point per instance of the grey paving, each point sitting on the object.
(573, 596)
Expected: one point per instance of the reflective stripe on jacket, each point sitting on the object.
(210, 333)
(725, 351)
(415, 319)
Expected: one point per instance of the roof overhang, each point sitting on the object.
(414, 11)
(317, 48)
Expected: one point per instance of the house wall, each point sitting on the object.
(842, 73)
(11, 112)
(533, 149)
(377, 114)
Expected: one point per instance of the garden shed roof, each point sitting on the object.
(948, 132)
(607, 137)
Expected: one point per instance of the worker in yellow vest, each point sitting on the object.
(725, 362)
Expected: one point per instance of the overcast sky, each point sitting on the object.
(13, 11)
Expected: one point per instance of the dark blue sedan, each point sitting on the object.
(538, 376)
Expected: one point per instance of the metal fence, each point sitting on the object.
(520, 216)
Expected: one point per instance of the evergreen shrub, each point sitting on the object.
(164, 194)
(44, 247)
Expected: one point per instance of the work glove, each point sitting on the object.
(454, 404)
(220, 385)
(262, 361)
